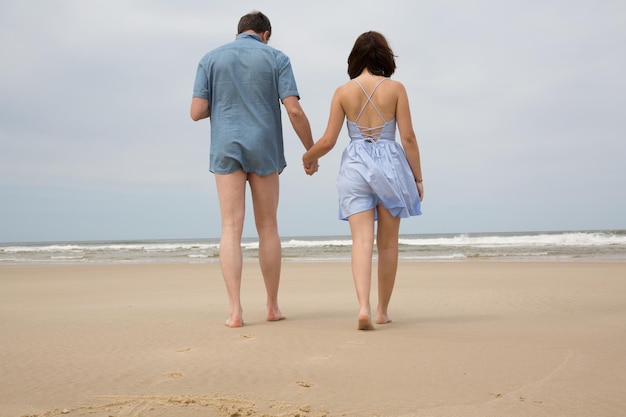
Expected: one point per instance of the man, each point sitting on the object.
(239, 86)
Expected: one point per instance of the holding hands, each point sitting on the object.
(310, 166)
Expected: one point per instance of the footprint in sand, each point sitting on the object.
(183, 350)
(202, 405)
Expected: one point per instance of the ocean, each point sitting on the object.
(565, 246)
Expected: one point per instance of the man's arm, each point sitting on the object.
(301, 125)
(200, 108)
(299, 121)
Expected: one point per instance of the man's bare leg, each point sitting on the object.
(362, 229)
(265, 191)
(387, 245)
(231, 189)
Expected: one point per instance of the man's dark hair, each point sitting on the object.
(255, 21)
(371, 51)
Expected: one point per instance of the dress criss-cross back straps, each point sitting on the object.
(374, 170)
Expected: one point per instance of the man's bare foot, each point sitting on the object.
(234, 322)
(275, 315)
(382, 319)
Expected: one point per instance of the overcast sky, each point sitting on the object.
(518, 107)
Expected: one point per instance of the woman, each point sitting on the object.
(378, 179)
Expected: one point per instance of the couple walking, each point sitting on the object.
(240, 86)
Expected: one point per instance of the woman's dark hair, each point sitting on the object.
(371, 51)
(255, 21)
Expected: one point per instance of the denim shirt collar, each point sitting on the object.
(249, 35)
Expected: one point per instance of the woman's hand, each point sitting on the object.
(420, 190)
(310, 167)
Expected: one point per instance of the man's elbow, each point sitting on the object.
(199, 114)
(297, 116)
(199, 109)
(294, 110)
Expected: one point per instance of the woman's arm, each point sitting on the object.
(407, 136)
(329, 138)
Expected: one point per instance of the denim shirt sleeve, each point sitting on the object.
(286, 81)
(201, 86)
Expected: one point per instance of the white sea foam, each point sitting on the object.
(595, 245)
(528, 240)
(311, 243)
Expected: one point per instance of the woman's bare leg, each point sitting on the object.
(362, 229)
(387, 246)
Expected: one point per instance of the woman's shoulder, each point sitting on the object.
(350, 88)
(345, 89)
(347, 86)
(394, 84)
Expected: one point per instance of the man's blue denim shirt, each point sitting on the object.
(244, 82)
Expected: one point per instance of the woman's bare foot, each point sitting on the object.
(382, 319)
(274, 314)
(365, 322)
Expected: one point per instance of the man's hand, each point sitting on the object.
(311, 167)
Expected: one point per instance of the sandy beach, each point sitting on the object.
(468, 339)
